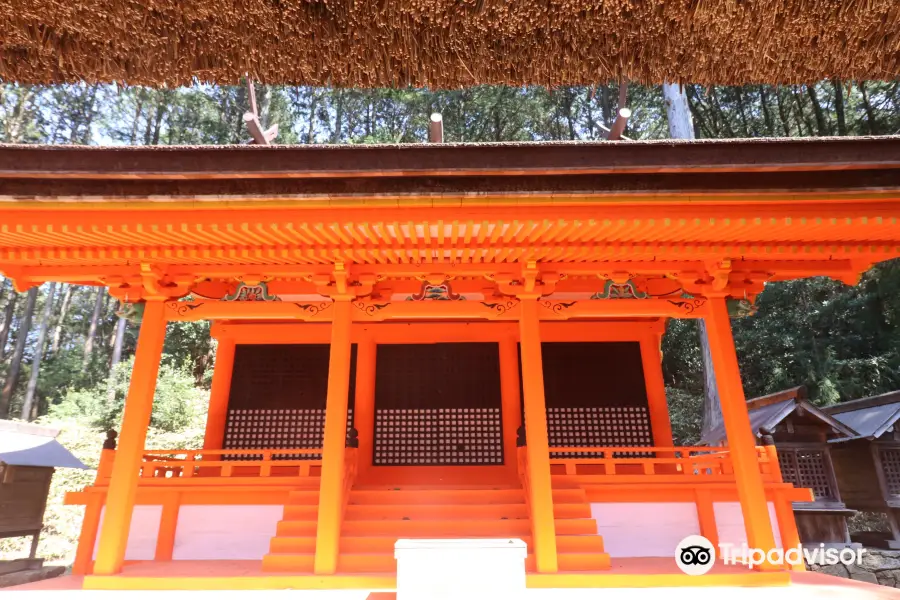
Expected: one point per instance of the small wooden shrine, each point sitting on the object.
(29, 455)
(800, 433)
(867, 463)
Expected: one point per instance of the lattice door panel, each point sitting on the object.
(599, 426)
(278, 395)
(807, 468)
(252, 428)
(438, 436)
(438, 404)
(890, 465)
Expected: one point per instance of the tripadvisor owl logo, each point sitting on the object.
(695, 555)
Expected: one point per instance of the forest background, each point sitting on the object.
(66, 351)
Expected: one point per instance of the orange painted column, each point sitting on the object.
(741, 441)
(538, 450)
(660, 422)
(511, 403)
(89, 525)
(135, 421)
(218, 395)
(364, 407)
(328, 531)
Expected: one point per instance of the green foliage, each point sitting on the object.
(177, 404)
(684, 413)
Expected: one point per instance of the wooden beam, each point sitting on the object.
(499, 309)
(432, 332)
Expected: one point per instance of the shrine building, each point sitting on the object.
(441, 341)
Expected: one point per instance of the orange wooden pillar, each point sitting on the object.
(511, 403)
(364, 403)
(651, 360)
(135, 421)
(741, 441)
(218, 394)
(541, 495)
(328, 531)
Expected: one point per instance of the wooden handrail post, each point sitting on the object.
(104, 468)
(135, 421)
(741, 440)
(542, 522)
(331, 485)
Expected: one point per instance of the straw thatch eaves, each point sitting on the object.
(448, 43)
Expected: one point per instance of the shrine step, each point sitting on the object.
(575, 561)
(412, 496)
(306, 497)
(386, 563)
(385, 544)
(288, 563)
(359, 512)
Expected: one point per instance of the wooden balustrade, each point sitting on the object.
(656, 463)
(180, 466)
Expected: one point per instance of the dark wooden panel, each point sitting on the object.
(815, 528)
(438, 404)
(589, 374)
(23, 495)
(856, 475)
(278, 395)
(595, 394)
(283, 376)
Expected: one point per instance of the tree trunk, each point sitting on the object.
(92, 330)
(38, 354)
(121, 324)
(7, 322)
(767, 114)
(871, 124)
(821, 126)
(839, 106)
(338, 118)
(15, 365)
(681, 127)
(782, 113)
(61, 319)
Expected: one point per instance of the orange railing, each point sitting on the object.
(184, 465)
(656, 463)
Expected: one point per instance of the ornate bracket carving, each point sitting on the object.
(435, 291)
(688, 305)
(251, 292)
(613, 290)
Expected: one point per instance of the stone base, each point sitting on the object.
(20, 564)
(878, 566)
(20, 577)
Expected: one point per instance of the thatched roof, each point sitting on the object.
(448, 43)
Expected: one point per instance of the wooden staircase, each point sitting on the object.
(376, 517)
